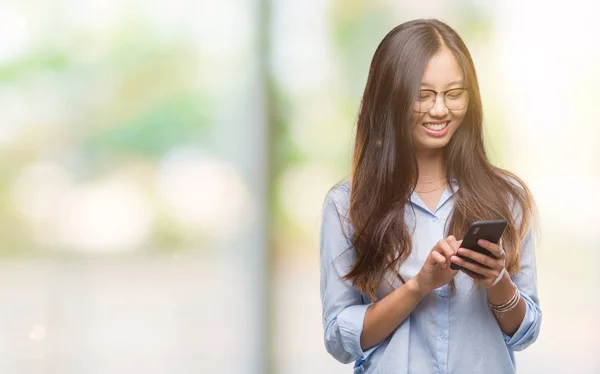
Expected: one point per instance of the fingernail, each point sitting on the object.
(481, 242)
(461, 251)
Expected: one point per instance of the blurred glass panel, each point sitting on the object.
(132, 187)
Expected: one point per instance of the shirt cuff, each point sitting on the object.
(525, 332)
(350, 322)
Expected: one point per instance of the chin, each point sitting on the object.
(433, 143)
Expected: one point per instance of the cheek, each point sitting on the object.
(414, 123)
(415, 118)
(460, 116)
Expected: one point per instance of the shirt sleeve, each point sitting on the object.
(343, 306)
(526, 281)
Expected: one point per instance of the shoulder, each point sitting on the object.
(338, 196)
(334, 216)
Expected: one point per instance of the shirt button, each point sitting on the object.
(443, 293)
(435, 220)
(441, 335)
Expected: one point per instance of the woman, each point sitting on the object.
(420, 176)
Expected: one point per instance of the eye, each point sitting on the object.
(425, 95)
(455, 94)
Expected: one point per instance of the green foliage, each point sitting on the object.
(156, 129)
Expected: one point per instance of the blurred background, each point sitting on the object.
(163, 166)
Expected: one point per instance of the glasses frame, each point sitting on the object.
(437, 93)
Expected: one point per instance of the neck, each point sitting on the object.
(431, 164)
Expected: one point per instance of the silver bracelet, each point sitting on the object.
(510, 304)
(499, 310)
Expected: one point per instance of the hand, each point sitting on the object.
(487, 268)
(436, 271)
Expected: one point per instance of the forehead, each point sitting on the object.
(442, 69)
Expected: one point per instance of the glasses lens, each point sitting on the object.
(425, 101)
(457, 99)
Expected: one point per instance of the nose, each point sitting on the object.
(439, 107)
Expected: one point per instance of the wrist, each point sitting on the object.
(499, 278)
(502, 291)
(415, 287)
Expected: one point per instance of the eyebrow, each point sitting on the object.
(460, 81)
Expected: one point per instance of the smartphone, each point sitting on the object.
(491, 231)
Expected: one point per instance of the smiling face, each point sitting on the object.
(434, 129)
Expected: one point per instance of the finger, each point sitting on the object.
(476, 276)
(488, 261)
(435, 257)
(453, 243)
(479, 269)
(439, 258)
(492, 247)
(445, 248)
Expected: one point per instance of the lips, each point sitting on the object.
(436, 126)
(436, 129)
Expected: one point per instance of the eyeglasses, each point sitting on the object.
(454, 99)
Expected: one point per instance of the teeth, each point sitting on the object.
(436, 127)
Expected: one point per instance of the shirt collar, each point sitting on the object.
(446, 195)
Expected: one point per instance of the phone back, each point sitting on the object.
(489, 230)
